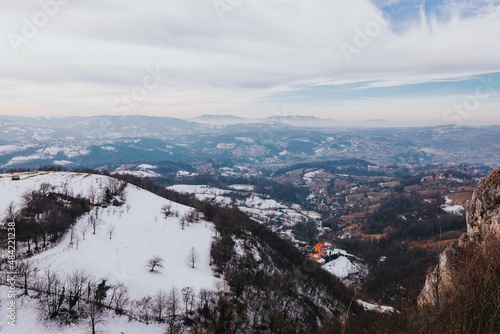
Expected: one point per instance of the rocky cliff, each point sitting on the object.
(483, 213)
(483, 220)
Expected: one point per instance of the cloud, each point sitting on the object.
(91, 51)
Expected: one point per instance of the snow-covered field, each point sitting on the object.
(347, 267)
(140, 232)
(72, 183)
(198, 189)
(254, 205)
(43, 150)
(308, 177)
(244, 187)
(453, 209)
(144, 170)
(375, 307)
(138, 173)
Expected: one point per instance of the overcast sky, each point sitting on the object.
(410, 62)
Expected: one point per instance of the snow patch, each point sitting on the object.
(375, 307)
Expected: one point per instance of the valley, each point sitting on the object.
(178, 219)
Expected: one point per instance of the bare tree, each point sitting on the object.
(94, 316)
(94, 308)
(25, 270)
(143, 308)
(46, 188)
(43, 222)
(192, 217)
(188, 299)
(193, 257)
(197, 216)
(160, 302)
(92, 194)
(71, 235)
(111, 229)
(167, 210)
(76, 283)
(52, 286)
(30, 200)
(94, 220)
(155, 261)
(10, 213)
(183, 222)
(173, 305)
(210, 208)
(115, 186)
(67, 189)
(83, 229)
(118, 298)
(128, 207)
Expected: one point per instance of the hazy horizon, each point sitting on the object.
(362, 123)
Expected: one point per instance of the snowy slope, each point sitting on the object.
(347, 267)
(28, 322)
(139, 234)
(72, 183)
(254, 205)
(203, 192)
(375, 307)
(144, 170)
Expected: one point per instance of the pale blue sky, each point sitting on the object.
(410, 62)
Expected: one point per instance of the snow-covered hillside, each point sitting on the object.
(256, 206)
(140, 231)
(143, 170)
(347, 267)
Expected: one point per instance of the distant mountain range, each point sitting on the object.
(14, 128)
(292, 120)
(25, 128)
(274, 141)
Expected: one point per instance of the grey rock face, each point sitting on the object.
(483, 213)
(483, 220)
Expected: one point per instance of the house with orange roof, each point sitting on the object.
(320, 251)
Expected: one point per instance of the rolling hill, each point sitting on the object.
(140, 231)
